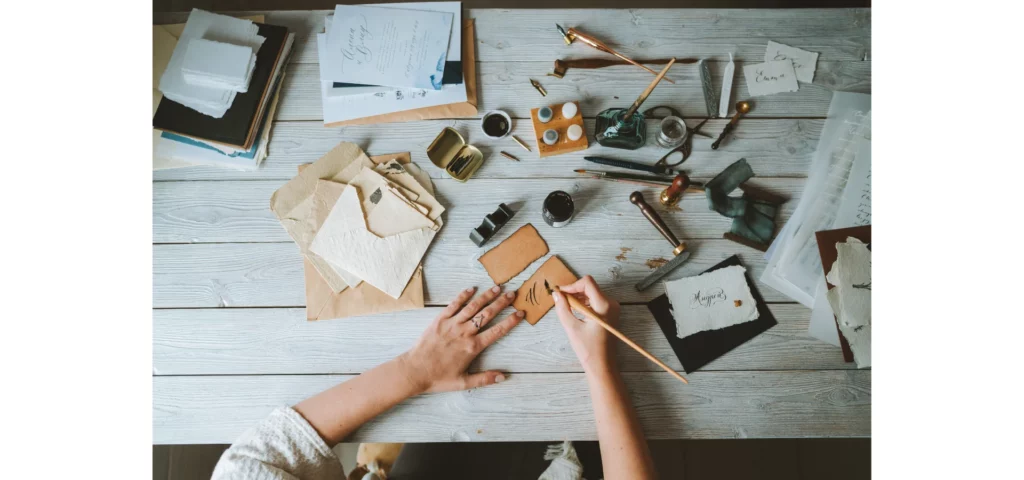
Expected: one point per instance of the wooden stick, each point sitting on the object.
(577, 305)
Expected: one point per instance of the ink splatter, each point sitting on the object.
(656, 263)
(376, 196)
(622, 256)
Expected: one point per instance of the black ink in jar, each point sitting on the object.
(496, 124)
(558, 209)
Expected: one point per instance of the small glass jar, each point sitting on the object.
(671, 132)
(558, 209)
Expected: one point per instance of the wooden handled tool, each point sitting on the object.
(562, 66)
(577, 305)
(574, 34)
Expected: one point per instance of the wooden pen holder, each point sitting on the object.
(561, 125)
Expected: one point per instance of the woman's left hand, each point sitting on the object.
(439, 361)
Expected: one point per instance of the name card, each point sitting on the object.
(804, 62)
(770, 77)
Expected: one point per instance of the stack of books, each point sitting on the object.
(378, 62)
(219, 91)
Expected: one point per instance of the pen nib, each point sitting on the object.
(547, 287)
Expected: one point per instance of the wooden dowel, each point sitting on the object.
(577, 305)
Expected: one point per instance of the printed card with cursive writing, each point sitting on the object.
(770, 77)
(804, 62)
(711, 301)
(388, 46)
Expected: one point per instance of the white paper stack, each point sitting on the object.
(202, 25)
(218, 65)
(353, 97)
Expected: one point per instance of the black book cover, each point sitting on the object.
(701, 348)
(234, 127)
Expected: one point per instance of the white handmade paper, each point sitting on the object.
(804, 62)
(386, 262)
(388, 46)
(770, 77)
(709, 301)
(850, 296)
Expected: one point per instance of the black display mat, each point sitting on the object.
(701, 348)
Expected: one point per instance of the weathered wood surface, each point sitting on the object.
(203, 212)
(217, 371)
(270, 274)
(538, 406)
(530, 35)
(242, 341)
(774, 148)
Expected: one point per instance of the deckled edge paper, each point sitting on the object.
(711, 300)
(804, 62)
(514, 254)
(533, 298)
(770, 77)
(699, 349)
(851, 297)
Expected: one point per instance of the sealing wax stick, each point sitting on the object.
(727, 76)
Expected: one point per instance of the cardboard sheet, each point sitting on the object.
(533, 298)
(387, 262)
(699, 349)
(513, 255)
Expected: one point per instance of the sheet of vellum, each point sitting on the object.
(850, 297)
(711, 301)
(293, 202)
(386, 262)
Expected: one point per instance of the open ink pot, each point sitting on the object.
(496, 124)
(558, 209)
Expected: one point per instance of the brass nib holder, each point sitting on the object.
(572, 35)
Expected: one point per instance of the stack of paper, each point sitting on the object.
(209, 100)
(184, 136)
(363, 226)
(218, 65)
(382, 59)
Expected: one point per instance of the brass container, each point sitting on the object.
(450, 152)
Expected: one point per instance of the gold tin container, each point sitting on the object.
(450, 152)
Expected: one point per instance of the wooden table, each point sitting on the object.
(230, 339)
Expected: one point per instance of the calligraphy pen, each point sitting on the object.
(577, 305)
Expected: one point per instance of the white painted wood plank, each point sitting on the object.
(538, 407)
(240, 341)
(529, 34)
(270, 274)
(506, 86)
(239, 211)
(774, 148)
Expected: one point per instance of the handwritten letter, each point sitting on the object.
(711, 301)
(804, 62)
(770, 77)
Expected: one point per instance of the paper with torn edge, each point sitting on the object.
(804, 62)
(293, 202)
(770, 77)
(387, 262)
(711, 301)
(399, 174)
(851, 296)
(533, 298)
(514, 254)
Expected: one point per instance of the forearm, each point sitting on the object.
(340, 410)
(624, 451)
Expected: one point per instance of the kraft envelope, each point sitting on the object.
(387, 262)
(452, 110)
(293, 202)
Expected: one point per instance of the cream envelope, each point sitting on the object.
(386, 262)
(293, 202)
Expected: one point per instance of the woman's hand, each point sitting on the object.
(438, 361)
(591, 342)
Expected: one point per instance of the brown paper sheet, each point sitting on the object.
(322, 303)
(533, 298)
(513, 255)
(451, 110)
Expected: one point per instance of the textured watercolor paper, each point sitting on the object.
(804, 62)
(770, 77)
(711, 301)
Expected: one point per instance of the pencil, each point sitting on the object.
(577, 305)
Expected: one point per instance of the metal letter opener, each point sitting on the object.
(679, 248)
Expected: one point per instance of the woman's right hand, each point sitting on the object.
(593, 345)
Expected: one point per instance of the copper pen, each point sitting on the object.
(574, 34)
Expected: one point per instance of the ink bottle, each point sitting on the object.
(630, 136)
(558, 209)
